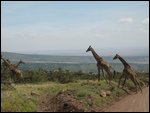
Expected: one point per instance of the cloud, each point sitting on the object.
(146, 21)
(126, 20)
(145, 25)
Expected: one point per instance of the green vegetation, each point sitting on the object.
(58, 75)
(41, 75)
(17, 97)
(20, 98)
(86, 67)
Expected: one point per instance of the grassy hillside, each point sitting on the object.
(20, 98)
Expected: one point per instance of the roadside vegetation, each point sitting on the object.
(27, 94)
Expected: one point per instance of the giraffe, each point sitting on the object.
(101, 65)
(4, 65)
(20, 62)
(15, 65)
(13, 68)
(128, 72)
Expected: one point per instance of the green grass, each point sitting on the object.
(17, 98)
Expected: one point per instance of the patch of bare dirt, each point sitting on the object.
(132, 103)
(64, 101)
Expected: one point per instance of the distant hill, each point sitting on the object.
(74, 63)
(47, 58)
(69, 59)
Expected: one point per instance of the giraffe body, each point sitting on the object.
(128, 72)
(101, 65)
(13, 68)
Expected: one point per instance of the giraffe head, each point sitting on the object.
(8, 61)
(21, 61)
(116, 57)
(89, 49)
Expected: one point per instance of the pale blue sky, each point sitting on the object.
(47, 26)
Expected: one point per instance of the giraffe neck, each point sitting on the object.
(123, 62)
(7, 63)
(17, 64)
(96, 56)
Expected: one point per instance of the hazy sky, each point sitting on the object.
(42, 26)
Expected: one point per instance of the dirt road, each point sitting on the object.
(132, 103)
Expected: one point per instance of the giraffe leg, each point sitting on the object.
(138, 83)
(98, 72)
(104, 76)
(22, 78)
(134, 81)
(120, 80)
(124, 81)
(114, 72)
(11, 77)
(110, 75)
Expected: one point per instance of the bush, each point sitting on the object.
(35, 76)
(61, 77)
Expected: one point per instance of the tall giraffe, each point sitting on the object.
(101, 65)
(128, 72)
(13, 68)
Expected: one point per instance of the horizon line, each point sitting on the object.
(54, 54)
